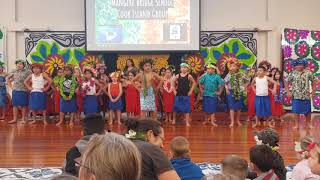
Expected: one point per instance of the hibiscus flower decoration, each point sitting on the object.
(291, 35)
(315, 51)
(302, 49)
(315, 35)
(53, 62)
(316, 101)
(287, 52)
(90, 60)
(226, 60)
(196, 62)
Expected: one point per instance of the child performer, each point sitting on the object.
(235, 83)
(103, 80)
(185, 86)
(147, 93)
(89, 87)
(277, 99)
(262, 100)
(168, 94)
(300, 80)
(132, 95)
(251, 94)
(213, 87)
(36, 84)
(3, 91)
(79, 97)
(19, 93)
(67, 87)
(57, 76)
(115, 102)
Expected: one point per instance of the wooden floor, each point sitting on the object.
(39, 146)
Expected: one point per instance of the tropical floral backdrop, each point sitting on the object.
(298, 43)
(55, 49)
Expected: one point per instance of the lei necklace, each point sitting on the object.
(167, 86)
(89, 85)
(235, 81)
(72, 87)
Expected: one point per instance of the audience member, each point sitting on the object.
(64, 177)
(110, 157)
(148, 136)
(181, 161)
(235, 165)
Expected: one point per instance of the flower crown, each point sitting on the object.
(91, 69)
(259, 142)
(234, 61)
(115, 74)
(101, 66)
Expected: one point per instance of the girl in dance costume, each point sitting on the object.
(103, 80)
(132, 95)
(36, 85)
(3, 91)
(251, 94)
(79, 95)
(168, 94)
(89, 87)
(115, 102)
(277, 99)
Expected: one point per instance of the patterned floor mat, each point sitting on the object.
(208, 169)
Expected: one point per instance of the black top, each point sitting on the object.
(154, 161)
(183, 85)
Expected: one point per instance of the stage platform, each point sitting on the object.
(25, 145)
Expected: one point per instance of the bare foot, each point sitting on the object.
(119, 122)
(59, 123)
(214, 124)
(310, 126)
(23, 122)
(231, 125)
(45, 122)
(71, 123)
(188, 124)
(173, 122)
(12, 122)
(32, 122)
(205, 122)
(110, 123)
(239, 123)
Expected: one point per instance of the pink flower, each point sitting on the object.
(302, 49)
(291, 35)
(316, 51)
(316, 34)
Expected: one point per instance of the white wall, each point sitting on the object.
(271, 16)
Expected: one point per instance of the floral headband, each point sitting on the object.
(115, 74)
(36, 65)
(304, 153)
(300, 62)
(259, 142)
(234, 61)
(89, 68)
(184, 65)
(101, 66)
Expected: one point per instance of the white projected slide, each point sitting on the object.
(142, 25)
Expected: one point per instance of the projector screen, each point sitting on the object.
(142, 25)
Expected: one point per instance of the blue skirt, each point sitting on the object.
(181, 104)
(209, 104)
(90, 104)
(115, 105)
(19, 98)
(233, 104)
(68, 105)
(148, 100)
(262, 106)
(301, 106)
(3, 99)
(37, 101)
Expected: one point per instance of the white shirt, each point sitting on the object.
(37, 83)
(262, 86)
(89, 88)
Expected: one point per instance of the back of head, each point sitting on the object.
(111, 156)
(180, 147)
(64, 177)
(268, 136)
(93, 124)
(235, 165)
(262, 157)
(225, 177)
(143, 125)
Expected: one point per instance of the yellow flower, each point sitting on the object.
(195, 62)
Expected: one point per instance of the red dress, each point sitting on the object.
(276, 108)
(192, 101)
(79, 97)
(56, 100)
(251, 96)
(132, 99)
(168, 97)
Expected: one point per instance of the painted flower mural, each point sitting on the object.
(90, 60)
(196, 62)
(232, 50)
(44, 49)
(287, 52)
(302, 49)
(304, 34)
(315, 35)
(316, 101)
(53, 62)
(315, 51)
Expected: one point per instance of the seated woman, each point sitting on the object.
(110, 156)
(148, 136)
